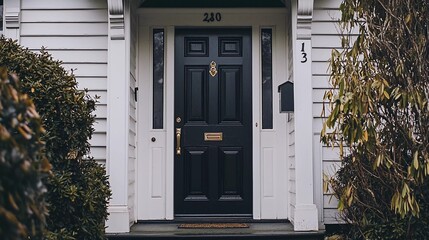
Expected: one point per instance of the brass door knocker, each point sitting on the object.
(213, 70)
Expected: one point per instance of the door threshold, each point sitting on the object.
(256, 231)
(214, 220)
(204, 218)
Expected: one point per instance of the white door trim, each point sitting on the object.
(267, 204)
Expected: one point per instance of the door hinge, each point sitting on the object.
(136, 89)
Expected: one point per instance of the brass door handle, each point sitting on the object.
(178, 136)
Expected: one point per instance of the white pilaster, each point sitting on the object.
(12, 17)
(305, 215)
(117, 120)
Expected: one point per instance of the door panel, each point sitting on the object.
(213, 175)
(230, 93)
(196, 170)
(196, 93)
(230, 46)
(230, 167)
(196, 46)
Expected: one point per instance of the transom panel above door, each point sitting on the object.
(213, 122)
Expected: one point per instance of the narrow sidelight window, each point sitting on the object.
(267, 78)
(1, 15)
(158, 79)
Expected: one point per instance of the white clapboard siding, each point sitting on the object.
(291, 125)
(327, 4)
(63, 29)
(321, 82)
(291, 167)
(98, 140)
(100, 125)
(332, 216)
(80, 56)
(74, 32)
(87, 70)
(63, 4)
(321, 68)
(330, 201)
(318, 111)
(318, 95)
(325, 28)
(325, 37)
(331, 28)
(98, 153)
(132, 119)
(326, 41)
(101, 96)
(65, 42)
(65, 15)
(101, 111)
(328, 15)
(99, 83)
(321, 55)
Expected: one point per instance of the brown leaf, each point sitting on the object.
(12, 202)
(46, 166)
(25, 131)
(4, 133)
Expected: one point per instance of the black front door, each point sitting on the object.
(213, 122)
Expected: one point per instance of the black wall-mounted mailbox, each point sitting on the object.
(286, 97)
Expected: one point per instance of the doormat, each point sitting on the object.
(213, 225)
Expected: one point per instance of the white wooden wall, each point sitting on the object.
(290, 119)
(325, 37)
(132, 21)
(76, 33)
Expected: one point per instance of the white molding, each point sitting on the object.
(304, 19)
(118, 219)
(169, 19)
(305, 215)
(256, 122)
(305, 8)
(116, 19)
(305, 219)
(117, 125)
(318, 175)
(231, 17)
(116, 7)
(12, 18)
(184, 11)
(169, 117)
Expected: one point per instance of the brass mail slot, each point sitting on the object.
(213, 136)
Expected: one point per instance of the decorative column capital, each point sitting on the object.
(304, 19)
(116, 19)
(11, 18)
(12, 12)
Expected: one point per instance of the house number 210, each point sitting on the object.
(304, 54)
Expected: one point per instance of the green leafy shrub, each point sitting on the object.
(22, 164)
(78, 189)
(379, 110)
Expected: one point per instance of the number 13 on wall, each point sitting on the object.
(303, 53)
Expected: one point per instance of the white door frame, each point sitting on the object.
(155, 160)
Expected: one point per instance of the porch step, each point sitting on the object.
(257, 231)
